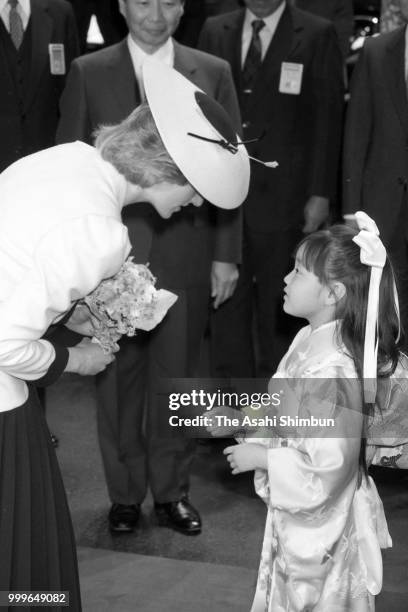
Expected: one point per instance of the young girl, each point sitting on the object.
(325, 523)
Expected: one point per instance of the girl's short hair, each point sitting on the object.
(333, 256)
(136, 149)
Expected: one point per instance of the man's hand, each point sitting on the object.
(316, 212)
(81, 321)
(87, 358)
(246, 457)
(224, 277)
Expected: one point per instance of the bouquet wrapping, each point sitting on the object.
(126, 302)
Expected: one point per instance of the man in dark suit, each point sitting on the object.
(185, 253)
(375, 165)
(287, 68)
(34, 60)
(339, 12)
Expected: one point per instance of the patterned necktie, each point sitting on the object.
(16, 24)
(253, 59)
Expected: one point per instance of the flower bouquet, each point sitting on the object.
(126, 302)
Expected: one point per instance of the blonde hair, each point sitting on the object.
(136, 149)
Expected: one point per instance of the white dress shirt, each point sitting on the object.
(23, 9)
(266, 34)
(164, 54)
(61, 234)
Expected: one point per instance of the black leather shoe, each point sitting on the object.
(123, 519)
(179, 515)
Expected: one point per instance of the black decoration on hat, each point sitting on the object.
(216, 115)
(220, 120)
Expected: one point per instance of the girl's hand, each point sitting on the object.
(246, 457)
(87, 358)
(224, 427)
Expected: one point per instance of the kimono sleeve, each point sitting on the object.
(313, 464)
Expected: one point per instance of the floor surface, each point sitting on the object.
(158, 570)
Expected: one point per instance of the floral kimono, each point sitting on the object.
(325, 524)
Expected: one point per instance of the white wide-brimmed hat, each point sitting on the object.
(198, 134)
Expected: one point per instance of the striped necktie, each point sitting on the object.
(253, 59)
(16, 24)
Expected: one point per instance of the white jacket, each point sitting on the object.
(60, 235)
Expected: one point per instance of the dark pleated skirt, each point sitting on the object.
(37, 544)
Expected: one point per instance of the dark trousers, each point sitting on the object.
(136, 445)
(250, 333)
(37, 541)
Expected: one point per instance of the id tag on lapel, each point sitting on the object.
(291, 78)
(57, 58)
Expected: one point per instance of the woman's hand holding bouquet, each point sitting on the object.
(88, 358)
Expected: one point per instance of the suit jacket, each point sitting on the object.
(191, 22)
(340, 12)
(31, 127)
(376, 134)
(102, 88)
(302, 132)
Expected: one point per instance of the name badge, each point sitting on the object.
(57, 58)
(291, 78)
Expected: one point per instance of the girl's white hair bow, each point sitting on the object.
(372, 253)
